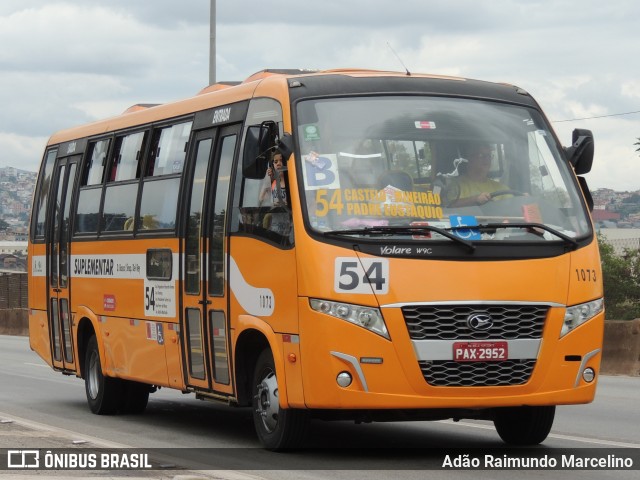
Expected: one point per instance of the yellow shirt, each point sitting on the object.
(464, 187)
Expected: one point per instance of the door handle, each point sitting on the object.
(205, 302)
(57, 290)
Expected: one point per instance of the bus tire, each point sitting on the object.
(135, 397)
(524, 425)
(103, 393)
(277, 428)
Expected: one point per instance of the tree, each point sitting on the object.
(3, 225)
(621, 278)
(638, 143)
(634, 198)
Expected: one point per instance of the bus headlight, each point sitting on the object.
(365, 317)
(579, 314)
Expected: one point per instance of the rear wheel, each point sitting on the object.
(524, 425)
(103, 393)
(277, 428)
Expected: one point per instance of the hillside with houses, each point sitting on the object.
(16, 190)
(614, 209)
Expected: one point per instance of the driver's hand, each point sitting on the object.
(483, 198)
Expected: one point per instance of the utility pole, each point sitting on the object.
(212, 44)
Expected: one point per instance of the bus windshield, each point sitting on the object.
(417, 167)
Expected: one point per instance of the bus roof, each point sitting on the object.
(316, 83)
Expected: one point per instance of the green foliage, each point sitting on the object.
(634, 198)
(621, 278)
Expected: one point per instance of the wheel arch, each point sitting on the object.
(87, 327)
(255, 336)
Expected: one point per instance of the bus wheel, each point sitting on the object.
(103, 393)
(135, 397)
(524, 425)
(277, 428)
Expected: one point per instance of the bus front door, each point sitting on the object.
(205, 319)
(58, 236)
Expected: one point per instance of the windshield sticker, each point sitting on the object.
(369, 202)
(320, 171)
(365, 275)
(465, 221)
(426, 125)
(311, 132)
(531, 213)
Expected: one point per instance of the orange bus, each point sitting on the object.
(342, 244)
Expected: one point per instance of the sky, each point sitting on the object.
(69, 62)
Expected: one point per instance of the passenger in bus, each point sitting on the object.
(275, 172)
(276, 220)
(472, 186)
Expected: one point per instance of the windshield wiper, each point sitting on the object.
(379, 231)
(568, 241)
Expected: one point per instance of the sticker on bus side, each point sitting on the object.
(108, 266)
(38, 263)
(155, 332)
(362, 276)
(159, 298)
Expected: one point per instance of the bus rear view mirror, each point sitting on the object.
(285, 146)
(580, 154)
(259, 142)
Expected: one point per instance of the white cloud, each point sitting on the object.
(23, 152)
(631, 89)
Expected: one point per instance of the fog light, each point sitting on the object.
(588, 375)
(344, 379)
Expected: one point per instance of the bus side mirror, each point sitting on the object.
(580, 154)
(285, 146)
(259, 142)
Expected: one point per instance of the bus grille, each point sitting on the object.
(477, 374)
(449, 322)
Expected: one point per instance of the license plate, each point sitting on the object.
(480, 351)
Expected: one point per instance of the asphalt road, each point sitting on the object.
(41, 408)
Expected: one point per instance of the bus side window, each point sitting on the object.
(119, 206)
(168, 150)
(96, 162)
(159, 264)
(159, 204)
(87, 216)
(257, 214)
(253, 212)
(161, 183)
(40, 204)
(127, 157)
(88, 210)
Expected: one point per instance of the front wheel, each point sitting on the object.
(277, 428)
(524, 425)
(103, 393)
